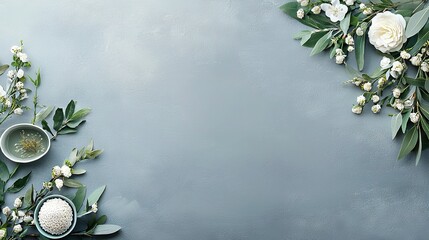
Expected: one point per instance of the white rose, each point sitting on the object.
(339, 59)
(23, 57)
(350, 2)
(375, 98)
(376, 108)
(359, 31)
(15, 49)
(385, 63)
(334, 11)
(18, 111)
(361, 100)
(56, 171)
(11, 74)
(405, 55)
(416, 60)
(424, 67)
(316, 10)
(349, 40)
(66, 171)
(17, 228)
(28, 218)
(300, 13)
(357, 109)
(367, 86)
(396, 92)
(387, 32)
(2, 233)
(396, 69)
(17, 203)
(304, 3)
(20, 73)
(6, 211)
(59, 183)
(21, 213)
(19, 85)
(414, 117)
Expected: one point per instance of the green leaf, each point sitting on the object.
(405, 118)
(417, 22)
(396, 123)
(67, 130)
(422, 40)
(3, 68)
(409, 142)
(79, 198)
(419, 149)
(78, 171)
(300, 35)
(14, 171)
(72, 183)
(360, 51)
(46, 127)
(426, 86)
(58, 119)
(4, 172)
(95, 196)
(419, 82)
(28, 198)
(345, 23)
(425, 126)
(102, 220)
(73, 157)
(70, 109)
(75, 124)
(322, 43)
(106, 229)
(80, 114)
(424, 108)
(19, 184)
(44, 113)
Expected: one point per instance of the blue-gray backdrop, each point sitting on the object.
(216, 124)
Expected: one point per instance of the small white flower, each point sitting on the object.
(385, 63)
(56, 171)
(381, 82)
(66, 171)
(17, 228)
(339, 59)
(349, 40)
(304, 3)
(416, 60)
(23, 57)
(17, 203)
(424, 67)
(8, 103)
(350, 2)
(362, 6)
(59, 183)
(359, 31)
(357, 109)
(20, 73)
(334, 11)
(376, 108)
(396, 69)
(405, 55)
(350, 49)
(400, 106)
(28, 218)
(2, 92)
(2, 233)
(11, 74)
(423, 50)
(6, 211)
(361, 100)
(15, 49)
(21, 213)
(367, 86)
(414, 117)
(375, 98)
(339, 51)
(18, 111)
(13, 216)
(409, 103)
(47, 185)
(23, 90)
(300, 13)
(367, 11)
(316, 10)
(396, 92)
(94, 208)
(19, 85)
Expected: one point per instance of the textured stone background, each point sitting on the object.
(216, 124)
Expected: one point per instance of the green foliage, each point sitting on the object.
(417, 22)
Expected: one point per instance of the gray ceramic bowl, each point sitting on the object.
(36, 217)
(12, 135)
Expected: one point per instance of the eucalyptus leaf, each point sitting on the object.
(75, 124)
(19, 184)
(409, 142)
(300, 35)
(72, 183)
(28, 198)
(3, 68)
(80, 114)
(396, 123)
(425, 126)
(417, 22)
(95, 196)
(67, 130)
(4, 172)
(405, 118)
(79, 198)
(420, 42)
(360, 51)
(102, 220)
(322, 43)
(106, 229)
(424, 108)
(419, 149)
(14, 171)
(70, 109)
(58, 119)
(345, 23)
(78, 171)
(46, 127)
(44, 113)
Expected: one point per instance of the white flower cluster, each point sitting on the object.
(365, 9)
(17, 216)
(340, 57)
(55, 216)
(57, 172)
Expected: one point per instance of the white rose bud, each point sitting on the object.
(23, 57)
(397, 67)
(414, 117)
(304, 3)
(357, 109)
(385, 63)
(396, 92)
(416, 60)
(17, 203)
(28, 218)
(367, 11)
(405, 55)
(18, 111)
(15, 49)
(66, 171)
(300, 13)
(6, 211)
(376, 108)
(367, 86)
(361, 100)
(424, 67)
(349, 40)
(2, 233)
(94, 208)
(20, 73)
(359, 31)
(375, 98)
(339, 59)
(316, 10)
(362, 6)
(56, 171)
(11, 74)
(59, 183)
(350, 2)
(17, 228)
(21, 213)
(400, 106)
(350, 48)
(8, 103)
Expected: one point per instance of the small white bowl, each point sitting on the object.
(12, 131)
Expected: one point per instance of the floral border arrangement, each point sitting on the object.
(17, 221)
(399, 32)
